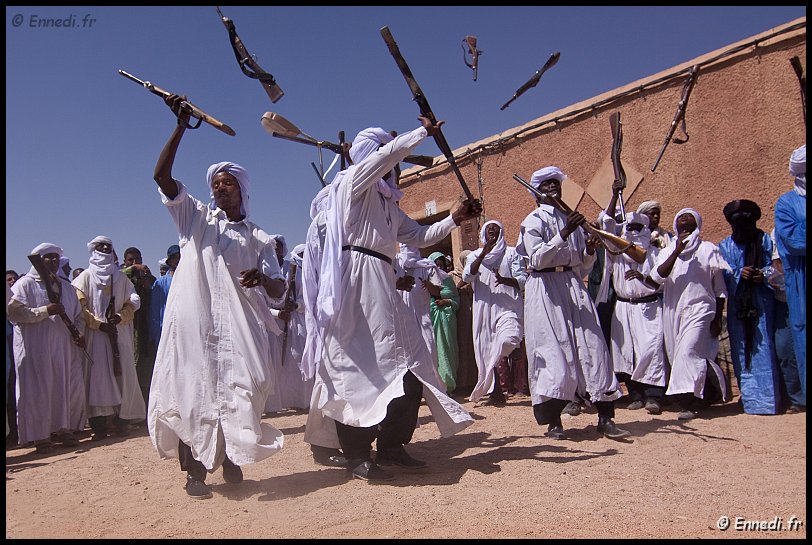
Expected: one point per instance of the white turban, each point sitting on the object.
(797, 167)
(47, 248)
(547, 173)
(691, 211)
(367, 142)
(91, 246)
(637, 217)
(493, 258)
(797, 161)
(162, 263)
(102, 266)
(648, 206)
(242, 178)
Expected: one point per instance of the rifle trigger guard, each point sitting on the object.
(465, 53)
(190, 126)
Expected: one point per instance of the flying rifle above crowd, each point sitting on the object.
(248, 65)
(680, 115)
(187, 106)
(534, 80)
(425, 109)
(470, 41)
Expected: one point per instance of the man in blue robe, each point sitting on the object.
(751, 309)
(790, 235)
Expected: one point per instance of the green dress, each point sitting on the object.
(444, 321)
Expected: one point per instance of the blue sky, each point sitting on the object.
(82, 141)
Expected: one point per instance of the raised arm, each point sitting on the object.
(163, 168)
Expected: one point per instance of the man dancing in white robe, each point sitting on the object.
(497, 313)
(369, 380)
(566, 351)
(211, 377)
(694, 292)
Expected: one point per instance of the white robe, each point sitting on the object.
(418, 300)
(211, 374)
(637, 341)
(566, 351)
(107, 393)
(50, 382)
(292, 388)
(363, 359)
(689, 306)
(497, 319)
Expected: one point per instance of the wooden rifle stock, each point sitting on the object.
(54, 297)
(425, 109)
(624, 246)
(679, 116)
(193, 110)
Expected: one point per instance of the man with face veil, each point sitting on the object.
(566, 352)
(50, 382)
(751, 308)
(109, 301)
(211, 377)
(497, 323)
(636, 339)
(690, 270)
(368, 387)
(790, 237)
(660, 237)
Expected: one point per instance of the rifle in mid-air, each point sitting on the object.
(470, 41)
(248, 65)
(49, 280)
(680, 115)
(533, 81)
(425, 109)
(193, 110)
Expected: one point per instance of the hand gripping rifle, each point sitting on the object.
(195, 112)
(55, 297)
(680, 115)
(473, 51)
(624, 246)
(290, 300)
(799, 71)
(533, 81)
(425, 109)
(617, 166)
(112, 334)
(247, 63)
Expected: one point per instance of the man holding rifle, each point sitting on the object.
(50, 382)
(109, 302)
(211, 378)
(369, 365)
(567, 355)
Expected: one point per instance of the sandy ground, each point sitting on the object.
(499, 478)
